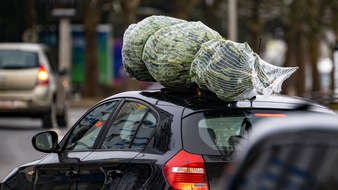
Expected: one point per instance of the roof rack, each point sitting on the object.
(198, 95)
(192, 98)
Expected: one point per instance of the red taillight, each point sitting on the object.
(186, 171)
(270, 114)
(43, 77)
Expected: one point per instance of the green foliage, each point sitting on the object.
(184, 53)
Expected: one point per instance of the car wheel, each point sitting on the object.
(48, 118)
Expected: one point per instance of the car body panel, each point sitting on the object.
(37, 100)
(20, 178)
(215, 168)
(59, 170)
(140, 163)
(300, 152)
(22, 79)
(104, 169)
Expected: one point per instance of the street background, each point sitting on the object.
(87, 36)
(16, 134)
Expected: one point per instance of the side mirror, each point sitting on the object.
(46, 141)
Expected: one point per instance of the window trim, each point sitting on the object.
(64, 141)
(98, 143)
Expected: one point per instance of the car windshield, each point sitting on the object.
(219, 132)
(15, 59)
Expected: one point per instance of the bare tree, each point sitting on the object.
(294, 24)
(255, 24)
(129, 8)
(31, 33)
(313, 19)
(210, 12)
(307, 22)
(92, 17)
(333, 7)
(184, 9)
(258, 13)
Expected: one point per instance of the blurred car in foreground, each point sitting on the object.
(152, 139)
(31, 84)
(301, 152)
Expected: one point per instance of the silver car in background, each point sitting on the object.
(31, 84)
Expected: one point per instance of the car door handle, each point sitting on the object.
(72, 174)
(114, 173)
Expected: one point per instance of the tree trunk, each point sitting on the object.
(288, 59)
(184, 9)
(255, 26)
(314, 52)
(314, 13)
(210, 14)
(129, 9)
(91, 20)
(334, 11)
(31, 33)
(300, 76)
(295, 50)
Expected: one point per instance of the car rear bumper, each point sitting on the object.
(36, 100)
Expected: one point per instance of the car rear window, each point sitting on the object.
(309, 162)
(219, 132)
(15, 59)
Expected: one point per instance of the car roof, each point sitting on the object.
(23, 46)
(208, 100)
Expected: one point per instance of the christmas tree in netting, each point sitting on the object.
(178, 53)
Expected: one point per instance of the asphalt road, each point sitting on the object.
(15, 140)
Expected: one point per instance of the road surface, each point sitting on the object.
(15, 139)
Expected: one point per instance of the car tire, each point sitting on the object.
(48, 118)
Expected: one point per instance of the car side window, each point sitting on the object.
(132, 127)
(86, 132)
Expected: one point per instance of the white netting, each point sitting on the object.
(169, 52)
(268, 78)
(177, 53)
(134, 40)
(234, 72)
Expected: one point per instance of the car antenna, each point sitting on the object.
(251, 100)
(259, 45)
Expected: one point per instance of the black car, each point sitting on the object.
(298, 153)
(153, 139)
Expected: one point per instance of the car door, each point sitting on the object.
(109, 167)
(61, 170)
